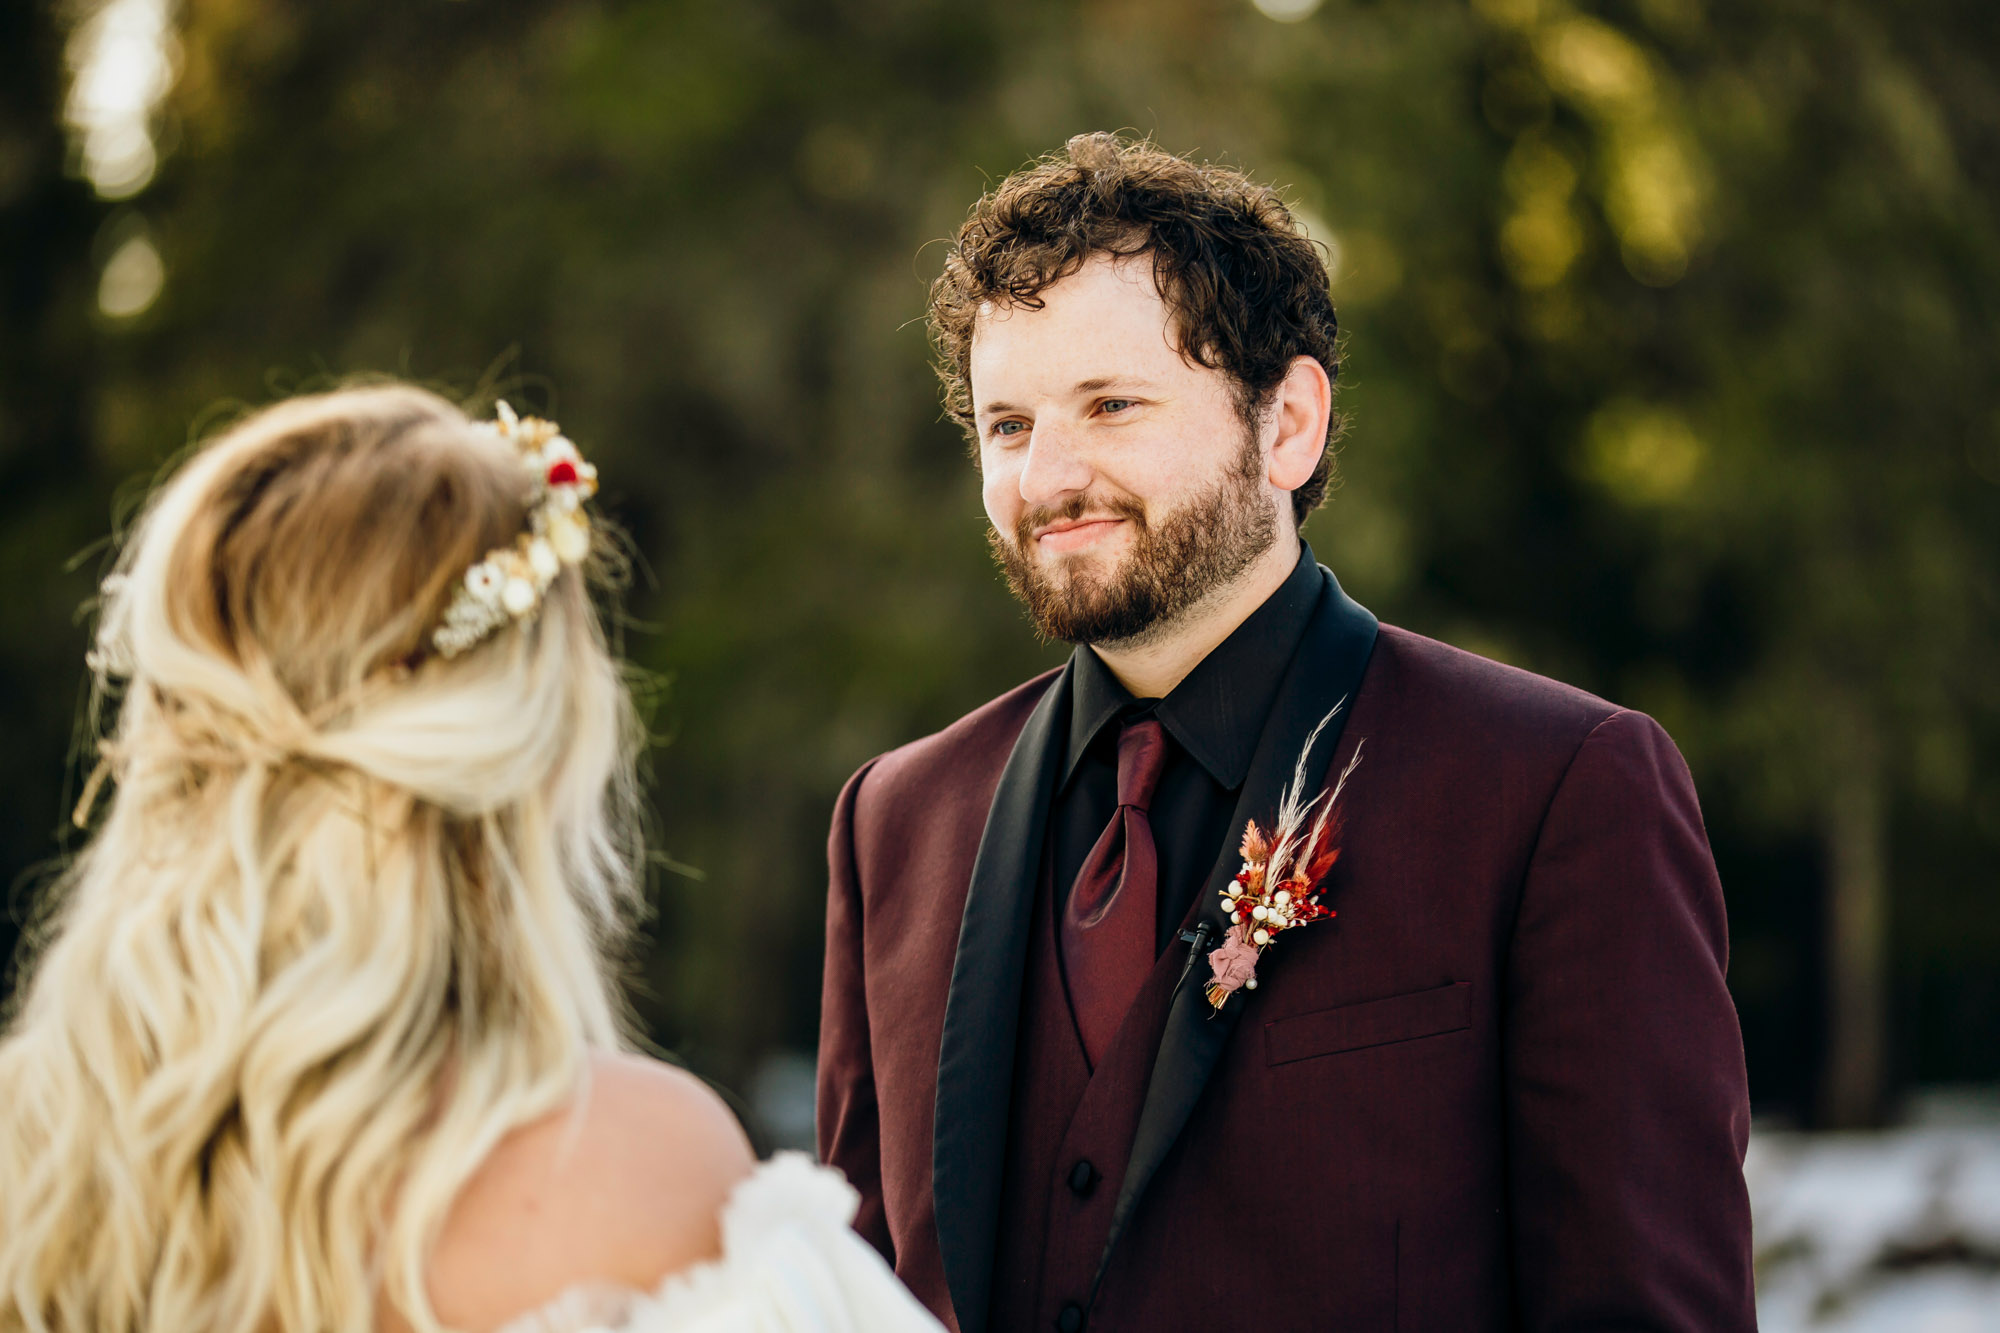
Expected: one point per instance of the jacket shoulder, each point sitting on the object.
(1478, 696)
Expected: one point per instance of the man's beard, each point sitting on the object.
(1204, 545)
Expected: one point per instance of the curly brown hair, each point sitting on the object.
(1248, 290)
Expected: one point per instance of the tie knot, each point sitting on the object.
(1142, 753)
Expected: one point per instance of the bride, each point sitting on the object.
(322, 1034)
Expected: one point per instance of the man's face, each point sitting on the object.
(1120, 477)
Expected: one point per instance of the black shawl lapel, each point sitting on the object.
(983, 1009)
(1326, 670)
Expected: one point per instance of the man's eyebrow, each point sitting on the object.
(1096, 384)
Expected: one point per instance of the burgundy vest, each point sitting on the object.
(1070, 1131)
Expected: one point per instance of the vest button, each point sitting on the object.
(1071, 1319)
(1083, 1177)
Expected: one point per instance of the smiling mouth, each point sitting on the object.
(1064, 537)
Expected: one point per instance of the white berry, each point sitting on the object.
(542, 559)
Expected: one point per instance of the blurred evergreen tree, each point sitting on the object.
(1718, 439)
(52, 497)
(1671, 375)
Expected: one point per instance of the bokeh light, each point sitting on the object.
(123, 59)
(132, 278)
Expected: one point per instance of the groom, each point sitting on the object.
(1501, 1089)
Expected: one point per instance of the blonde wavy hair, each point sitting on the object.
(350, 913)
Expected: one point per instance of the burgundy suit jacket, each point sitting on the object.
(1503, 1089)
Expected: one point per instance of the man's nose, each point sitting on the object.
(1055, 467)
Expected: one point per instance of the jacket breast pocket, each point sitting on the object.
(1354, 1027)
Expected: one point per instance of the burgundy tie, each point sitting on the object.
(1108, 924)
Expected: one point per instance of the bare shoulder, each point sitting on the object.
(622, 1187)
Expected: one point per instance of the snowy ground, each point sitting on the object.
(1893, 1232)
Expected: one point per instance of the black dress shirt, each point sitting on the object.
(1213, 720)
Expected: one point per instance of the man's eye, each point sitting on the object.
(1116, 404)
(1005, 428)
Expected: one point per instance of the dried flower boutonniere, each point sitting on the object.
(1279, 887)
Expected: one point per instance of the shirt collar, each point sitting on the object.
(1217, 713)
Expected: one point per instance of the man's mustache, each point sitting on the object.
(1077, 507)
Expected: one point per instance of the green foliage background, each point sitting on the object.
(1671, 370)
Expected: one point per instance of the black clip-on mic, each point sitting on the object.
(1198, 941)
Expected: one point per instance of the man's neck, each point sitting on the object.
(1151, 665)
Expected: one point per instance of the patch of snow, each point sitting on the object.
(1890, 1232)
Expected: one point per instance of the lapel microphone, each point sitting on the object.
(1198, 941)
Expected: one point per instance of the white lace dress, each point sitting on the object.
(790, 1264)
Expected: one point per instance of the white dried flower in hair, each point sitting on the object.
(484, 581)
(518, 597)
(542, 559)
(570, 537)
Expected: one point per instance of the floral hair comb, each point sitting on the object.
(508, 583)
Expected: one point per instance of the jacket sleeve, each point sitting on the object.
(847, 1123)
(1628, 1111)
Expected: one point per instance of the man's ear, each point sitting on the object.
(1296, 424)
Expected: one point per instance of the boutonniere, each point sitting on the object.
(1282, 879)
